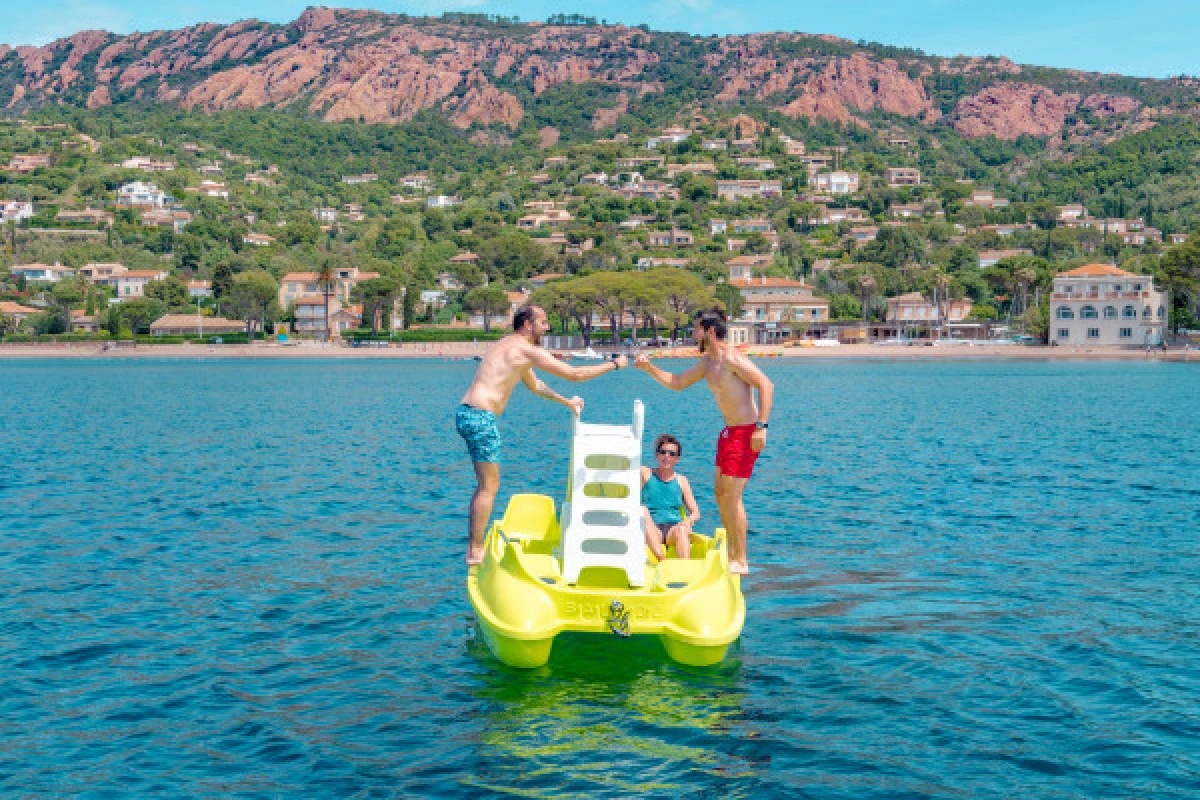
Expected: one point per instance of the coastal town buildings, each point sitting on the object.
(773, 308)
(132, 283)
(1100, 304)
(915, 308)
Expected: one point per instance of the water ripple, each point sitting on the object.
(244, 579)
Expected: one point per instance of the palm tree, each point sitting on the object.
(942, 281)
(866, 287)
(327, 280)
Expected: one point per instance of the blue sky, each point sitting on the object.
(1100, 35)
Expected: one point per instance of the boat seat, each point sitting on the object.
(679, 571)
(542, 566)
(530, 518)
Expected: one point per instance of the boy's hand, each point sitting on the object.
(622, 362)
(758, 440)
(642, 361)
(576, 405)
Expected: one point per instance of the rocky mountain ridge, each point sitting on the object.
(372, 67)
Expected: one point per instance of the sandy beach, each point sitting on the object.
(468, 350)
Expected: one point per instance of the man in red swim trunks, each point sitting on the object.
(733, 378)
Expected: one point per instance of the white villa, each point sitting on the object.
(1102, 304)
(142, 195)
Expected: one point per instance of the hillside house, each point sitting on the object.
(102, 274)
(671, 238)
(902, 176)
(985, 198)
(41, 273)
(417, 181)
(756, 164)
(914, 307)
(734, 190)
(15, 210)
(88, 216)
(24, 164)
(174, 218)
(989, 258)
(142, 195)
(839, 182)
(638, 162)
(744, 267)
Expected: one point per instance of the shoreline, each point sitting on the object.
(468, 350)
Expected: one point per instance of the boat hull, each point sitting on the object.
(693, 606)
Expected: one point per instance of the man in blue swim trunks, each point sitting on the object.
(509, 362)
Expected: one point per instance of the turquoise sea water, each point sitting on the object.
(971, 580)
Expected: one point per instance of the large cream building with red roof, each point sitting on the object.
(1101, 304)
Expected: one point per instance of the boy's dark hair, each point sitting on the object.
(667, 438)
(522, 315)
(712, 320)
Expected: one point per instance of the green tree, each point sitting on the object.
(731, 298)
(412, 294)
(395, 238)
(894, 247)
(172, 292)
(377, 296)
(682, 294)
(511, 256)
(1179, 274)
(302, 228)
(490, 301)
(67, 295)
(139, 312)
(844, 307)
(189, 252)
(253, 298)
(222, 280)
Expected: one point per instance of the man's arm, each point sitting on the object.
(542, 390)
(676, 382)
(544, 361)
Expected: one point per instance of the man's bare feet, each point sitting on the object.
(739, 568)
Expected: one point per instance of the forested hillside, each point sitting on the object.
(440, 155)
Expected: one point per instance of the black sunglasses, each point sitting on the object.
(672, 453)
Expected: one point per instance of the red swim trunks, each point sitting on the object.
(735, 456)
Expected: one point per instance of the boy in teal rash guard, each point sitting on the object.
(664, 491)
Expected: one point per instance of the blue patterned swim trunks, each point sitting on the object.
(479, 430)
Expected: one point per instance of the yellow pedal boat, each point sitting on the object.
(694, 605)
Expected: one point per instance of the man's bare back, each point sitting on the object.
(499, 373)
